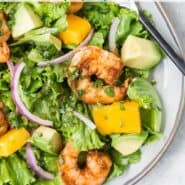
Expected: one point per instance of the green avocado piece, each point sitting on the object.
(143, 92)
(152, 118)
(47, 139)
(42, 40)
(127, 144)
(25, 20)
(140, 53)
(46, 39)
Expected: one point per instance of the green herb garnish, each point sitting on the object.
(98, 83)
(109, 91)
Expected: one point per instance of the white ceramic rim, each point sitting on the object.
(151, 165)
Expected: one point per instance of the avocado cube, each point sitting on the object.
(47, 139)
(25, 20)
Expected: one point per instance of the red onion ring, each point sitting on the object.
(87, 39)
(32, 162)
(17, 100)
(68, 55)
(11, 67)
(112, 34)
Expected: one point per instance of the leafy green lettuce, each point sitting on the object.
(40, 90)
(120, 162)
(56, 181)
(130, 72)
(9, 8)
(53, 14)
(14, 171)
(100, 14)
(129, 24)
(82, 137)
(98, 39)
(50, 163)
(45, 92)
(5, 96)
(86, 139)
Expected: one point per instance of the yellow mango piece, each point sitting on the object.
(75, 6)
(119, 117)
(77, 30)
(12, 141)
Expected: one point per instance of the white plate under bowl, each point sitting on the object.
(170, 86)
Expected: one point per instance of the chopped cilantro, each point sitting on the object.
(109, 91)
(98, 83)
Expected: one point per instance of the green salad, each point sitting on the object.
(76, 102)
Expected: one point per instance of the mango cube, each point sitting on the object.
(78, 29)
(119, 117)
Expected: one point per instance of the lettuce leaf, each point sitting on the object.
(97, 40)
(44, 92)
(82, 137)
(50, 162)
(5, 96)
(53, 14)
(134, 158)
(85, 138)
(9, 8)
(130, 72)
(40, 89)
(121, 163)
(14, 171)
(5, 177)
(100, 14)
(56, 181)
(129, 24)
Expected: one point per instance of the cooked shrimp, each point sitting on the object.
(5, 32)
(94, 95)
(4, 36)
(4, 52)
(3, 121)
(91, 60)
(98, 165)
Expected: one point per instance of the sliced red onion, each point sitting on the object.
(68, 55)
(17, 100)
(87, 39)
(58, 60)
(86, 120)
(112, 34)
(32, 162)
(10, 67)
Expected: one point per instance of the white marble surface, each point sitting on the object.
(171, 168)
